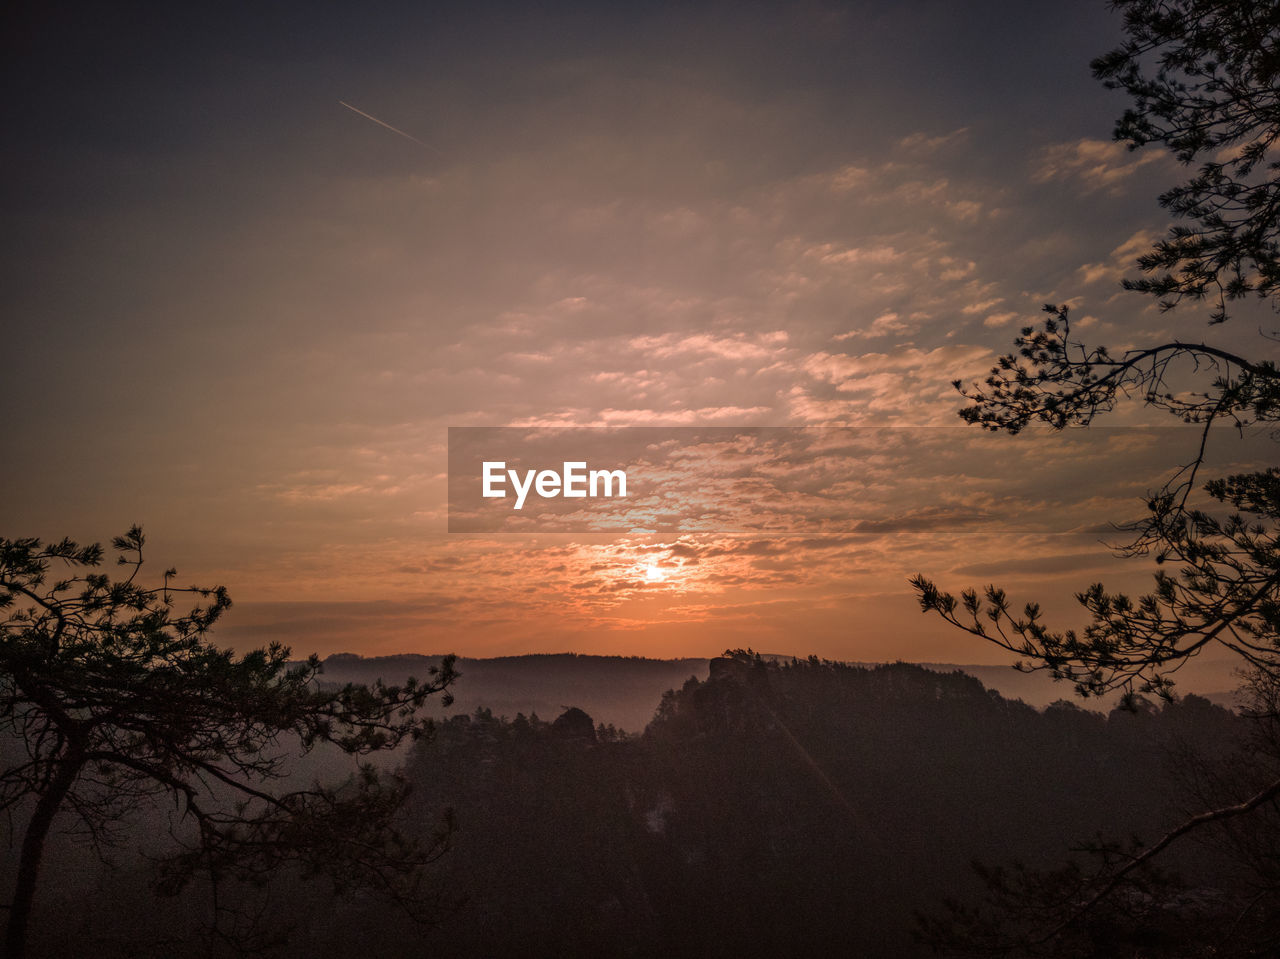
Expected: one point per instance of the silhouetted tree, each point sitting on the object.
(1214, 88)
(114, 698)
(1213, 96)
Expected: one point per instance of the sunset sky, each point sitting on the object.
(243, 313)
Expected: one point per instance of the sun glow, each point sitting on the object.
(654, 575)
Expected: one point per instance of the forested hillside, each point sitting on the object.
(782, 809)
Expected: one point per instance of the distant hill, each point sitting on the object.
(625, 690)
(784, 809)
(622, 690)
(801, 809)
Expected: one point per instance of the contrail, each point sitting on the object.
(407, 136)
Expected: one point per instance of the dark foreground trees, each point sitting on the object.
(780, 809)
(1204, 78)
(114, 699)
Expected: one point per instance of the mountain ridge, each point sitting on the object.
(624, 691)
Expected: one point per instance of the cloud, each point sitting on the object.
(908, 385)
(1094, 164)
(829, 254)
(887, 324)
(922, 145)
(736, 347)
(1123, 259)
(1069, 563)
(849, 178)
(982, 306)
(735, 415)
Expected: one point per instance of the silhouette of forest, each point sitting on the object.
(623, 689)
(792, 808)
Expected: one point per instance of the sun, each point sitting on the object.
(654, 575)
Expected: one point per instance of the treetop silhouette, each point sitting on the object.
(116, 698)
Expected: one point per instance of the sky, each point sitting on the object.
(260, 259)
